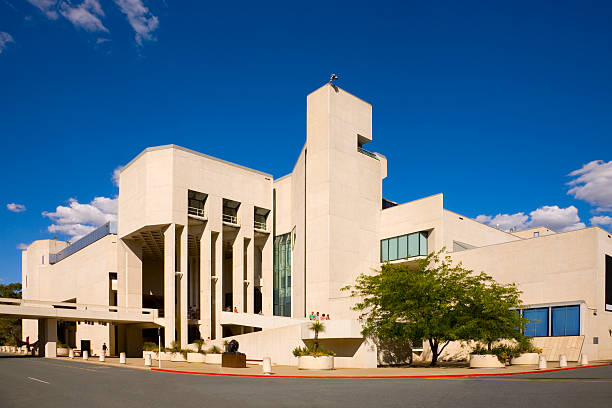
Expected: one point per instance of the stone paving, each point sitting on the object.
(291, 371)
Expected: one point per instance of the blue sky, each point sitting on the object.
(493, 105)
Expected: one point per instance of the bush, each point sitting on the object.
(214, 350)
(149, 346)
(199, 343)
(309, 351)
(524, 345)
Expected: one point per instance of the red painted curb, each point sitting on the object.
(380, 376)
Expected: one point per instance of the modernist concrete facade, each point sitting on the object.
(199, 238)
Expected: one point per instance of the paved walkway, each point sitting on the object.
(291, 371)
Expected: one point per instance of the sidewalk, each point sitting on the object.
(293, 372)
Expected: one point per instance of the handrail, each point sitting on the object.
(260, 225)
(232, 219)
(198, 212)
(78, 306)
(367, 153)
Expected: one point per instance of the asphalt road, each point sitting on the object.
(37, 382)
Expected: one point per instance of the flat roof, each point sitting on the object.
(173, 146)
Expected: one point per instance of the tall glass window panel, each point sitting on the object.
(423, 243)
(566, 320)
(538, 325)
(402, 247)
(384, 250)
(282, 275)
(392, 249)
(413, 244)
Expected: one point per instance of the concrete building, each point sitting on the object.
(199, 239)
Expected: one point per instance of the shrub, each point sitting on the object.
(199, 343)
(214, 350)
(149, 346)
(309, 351)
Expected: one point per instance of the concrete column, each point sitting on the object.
(47, 342)
(205, 283)
(184, 281)
(238, 273)
(133, 274)
(267, 276)
(218, 284)
(169, 284)
(250, 300)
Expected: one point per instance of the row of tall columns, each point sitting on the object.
(211, 276)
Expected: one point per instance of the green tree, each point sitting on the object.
(10, 328)
(316, 327)
(435, 301)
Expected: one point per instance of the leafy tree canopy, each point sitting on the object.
(10, 328)
(437, 302)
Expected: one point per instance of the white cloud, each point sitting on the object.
(505, 222)
(551, 216)
(558, 219)
(115, 176)
(22, 246)
(5, 38)
(85, 15)
(17, 208)
(140, 18)
(593, 184)
(78, 219)
(601, 220)
(48, 7)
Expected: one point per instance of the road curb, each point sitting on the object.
(382, 377)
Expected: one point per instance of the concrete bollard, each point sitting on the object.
(102, 358)
(71, 353)
(584, 360)
(267, 365)
(562, 361)
(122, 358)
(85, 354)
(542, 363)
(148, 360)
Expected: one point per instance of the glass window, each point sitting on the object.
(402, 247)
(384, 250)
(538, 325)
(282, 275)
(392, 249)
(566, 320)
(413, 244)
(423, 243)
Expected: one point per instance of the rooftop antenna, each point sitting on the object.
(332, 78)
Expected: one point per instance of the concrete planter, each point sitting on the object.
(485, 361)
(153, 354)
(165, 356)
(63, 351)
(213, 358)
(196, 358)
(316, 363)
(178, 357)
(526, 359)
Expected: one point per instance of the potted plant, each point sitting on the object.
(315, 358)
(148, 347)
(177, 354)
(491, 357)
(526, 353)
(213, 355)
(198, 355)
(62, 349)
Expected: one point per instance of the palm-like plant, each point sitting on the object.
(316, 327)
